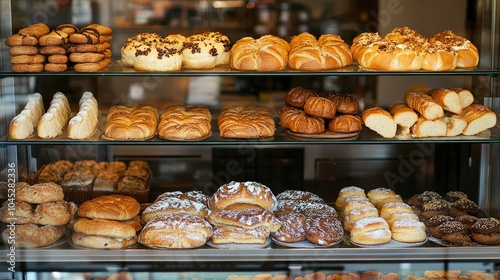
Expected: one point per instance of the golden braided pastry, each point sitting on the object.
(185, 123)
(328, 52)
(268, 53)
(246, 122)
(129, 122)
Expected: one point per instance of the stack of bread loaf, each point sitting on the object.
(241, 213)
(306, 216)
(90, 49)
(176, 220)
(378, 216)
(107, 222)
(430, 112)
(40, 214)
(246, 122)
(54, 122)
(308, 112)
(86, 179)
(404, 49)
(151, 52)
(454, 219)
(24, 48)
(54, 46)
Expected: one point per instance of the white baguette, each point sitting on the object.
(428, 128)
(55, 119)
(479, 118)
(448, 99)
(23, 125)
(380, 121)
(84, 124)
(466, 97)
(403, 115)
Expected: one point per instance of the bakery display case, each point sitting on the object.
(323, 164)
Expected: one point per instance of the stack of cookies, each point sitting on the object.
(24, 51)
(54, 45)
(90, 49)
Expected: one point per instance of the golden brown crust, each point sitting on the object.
(346, 124)
(299, 122)
(448, 99)
(39, 193)
(111, 207)
(27, 67)
(293, 228)
(102, 227)
(320, 107)
(298, 96)
(267, 53)
(403, 115)
(173, 205)
(27, 59)
(92, 66)
(324, 230)
(424, 104)
(33, 236)
(370, 231)
(243, 192)
(478, 118)
(57, 58)
(55, 67)
(246, 122)
(28, 36)
(128, 122)
(185, 123)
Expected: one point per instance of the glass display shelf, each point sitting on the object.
(281, 137)
(116, 69)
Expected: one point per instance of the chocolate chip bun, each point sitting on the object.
(206, 50)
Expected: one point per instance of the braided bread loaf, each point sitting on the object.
(246, 122)
(129, 122)
(268, 53)
(185, 123)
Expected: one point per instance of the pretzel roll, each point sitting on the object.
(39, 193)
(299, 122)
(248, 219)
(370, 231)
(243, 192)
(175, 230)
(267, 53)
(328, 52)
(111, 207)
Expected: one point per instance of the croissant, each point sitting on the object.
(129, 122)
(185, 123)
(268, 53)
(328, 52)
(246, 122)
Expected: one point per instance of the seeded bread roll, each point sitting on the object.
(39, 193)
(34, 236)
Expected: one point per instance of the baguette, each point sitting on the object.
(448, 99)
(479, 118)
(380, 121)
(466, 97)
(23, 125)
(84, 124)
(428, 128)
(424, 104)
(403, 115)
(455, 124)
(55, 119)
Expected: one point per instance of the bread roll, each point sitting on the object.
(246, 122)
(346, 124)
(137, 45)
(297, 96)
(293, 228)
(392, 198)
(267, 53)
(84, 124)
(56, 118)
(390, 208)
(424, 104)
(403, 115)
(299, 122)
(429, 128)
(358, 214)
(101, 227)
(23, 125)
(308, 53)
(356, 205)
(299, 195)
(448, 99)
(380, 121)
(39, 193)
(54, 213)
(110, 207)
(324, 231)
(479, 118)
(320, 107)
(388, 55)
(361, 42)
(248, 219)
(466, 97)
(185, 123)
(243, 192)
(370, 231)
(154, 54)
(455, 124)
(34, 236)
(175, 230)
(131, 122)
(408, 230)
(468, 55)
(400, 215)
(378, 194)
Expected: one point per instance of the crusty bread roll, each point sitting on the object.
(293, 228)
(239, 235)
(205, 50)
(297, 96)
(403, 115)
(84, 124)
(101, 242)
(248, 219)
(370, 231)
(320, 107)
(131, 122)
(424, 104)
(34, 236)
(345, 124)
(429, 128)
(173, 205)
(267, 53)
(309, 53)
(448, 99)
(246, 122)
(56, 118)
(455, 124)
(175, 230)
(468, 54)
(408, 230)
(185, 123)
(380, 121)
(466, 97)
(243, 192)
(479, 118)
(110, 207)
(54, 213)
(23, 125)
(39, 193)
